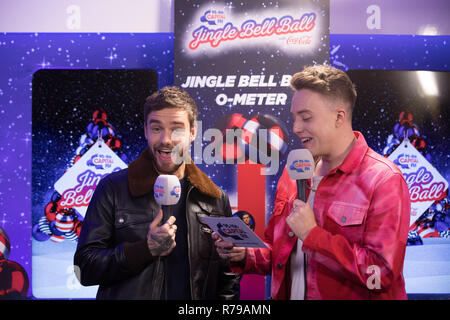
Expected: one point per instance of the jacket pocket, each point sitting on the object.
(347, 214)
(280, 207)
(132, 225)
(346, 219)
(206, 247)
(126, 218)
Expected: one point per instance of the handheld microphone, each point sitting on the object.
(167, 192)
(300, 166)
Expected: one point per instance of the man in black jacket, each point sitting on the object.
(124, 245)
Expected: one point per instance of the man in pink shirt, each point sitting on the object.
(348, 240)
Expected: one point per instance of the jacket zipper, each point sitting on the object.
(189, 242)
(156, 294)
(304, 274)
(205, 285)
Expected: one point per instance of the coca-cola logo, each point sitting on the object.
(421, 186)
(299, 40)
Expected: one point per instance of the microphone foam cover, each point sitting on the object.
(300, 164)
(167, 190)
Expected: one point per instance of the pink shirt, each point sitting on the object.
(357, 249)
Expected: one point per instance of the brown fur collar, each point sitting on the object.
(142, 176)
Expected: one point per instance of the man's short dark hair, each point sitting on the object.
(326, 80)
(171, 97)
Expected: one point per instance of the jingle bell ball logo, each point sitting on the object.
(422, 183)
(425, 184)
(81, 193)
(301, 165)
(76, 186)
(216, 29)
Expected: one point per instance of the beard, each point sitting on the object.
(164, 161)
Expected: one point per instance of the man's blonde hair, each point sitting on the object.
(328, 81)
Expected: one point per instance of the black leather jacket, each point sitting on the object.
(112, 250)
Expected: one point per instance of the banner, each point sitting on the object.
(403, 116)
(78, 183)
(236, 60)
(426, 185)
(84, 128)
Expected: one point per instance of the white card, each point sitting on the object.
(235, 230)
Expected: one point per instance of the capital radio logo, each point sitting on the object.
(301, 165)
(100, 161)
(158, 191)
(406, 161)
(213, 17)
(176, 191)
(231, 231)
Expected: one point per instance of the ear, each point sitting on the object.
(145, 130)
(193, 131)
(341, 116)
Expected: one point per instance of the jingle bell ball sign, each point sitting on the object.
(291, 26)
(236, 60)
(426, 185)
(78, 183)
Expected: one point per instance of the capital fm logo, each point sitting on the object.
(100, 161)
(231, 231)
(213, 17)
(158, 191)
(406, 161)
(176, 191)
(301, 165)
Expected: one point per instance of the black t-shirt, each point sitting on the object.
(178, 272)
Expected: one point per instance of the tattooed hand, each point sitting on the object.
(161, 239)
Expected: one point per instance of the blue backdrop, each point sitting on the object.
(21, 55)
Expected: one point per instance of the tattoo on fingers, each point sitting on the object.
(161, 244)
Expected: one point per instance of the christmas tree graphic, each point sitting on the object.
(62, 219)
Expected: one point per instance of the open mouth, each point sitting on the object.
(165, 154)
(306, 140)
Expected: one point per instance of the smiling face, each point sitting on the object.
(316, 120)
(168, 131)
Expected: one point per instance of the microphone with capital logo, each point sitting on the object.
(300, 166)
(167, 192)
